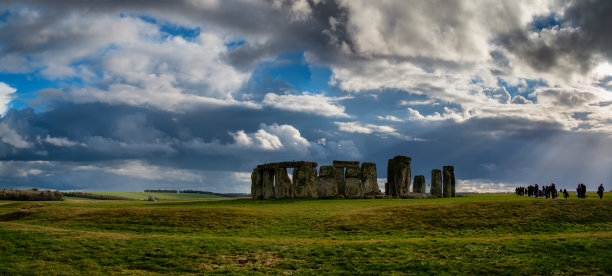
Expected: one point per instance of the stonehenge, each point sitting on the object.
(347, 179)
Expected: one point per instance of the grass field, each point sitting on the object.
(480, 234)
(145, 196)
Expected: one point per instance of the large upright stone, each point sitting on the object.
(398, 176)
(436, 183)
(256, 184)
(419, 184)
(352, 181)
(282, 183)
(449, 181)
(368, 178)
(268, 184)
(327, 187)
(339, 177)
(305, 182)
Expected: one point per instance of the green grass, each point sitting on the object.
(145, 196)
(480, 234)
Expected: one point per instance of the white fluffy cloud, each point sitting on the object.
(5, 96)
(317, 104)
(129, 60)
(356, 127)
(278, 141)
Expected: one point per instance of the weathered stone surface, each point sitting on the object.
(327, 171)
(353, 172)
(368, 178)
(283, 188)
(256, 184)
(449, 181)
(436, 183)
(419, 185)
(398, 176)
(352, 181)
(346, 164)
(268, 184)
(305, 182)
(288, 164)
(339, 175)
(327, 187)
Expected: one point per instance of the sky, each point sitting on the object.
(193, 94)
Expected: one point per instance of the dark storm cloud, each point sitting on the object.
(581, 38)
(201, 138)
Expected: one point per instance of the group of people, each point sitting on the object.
(550, 191)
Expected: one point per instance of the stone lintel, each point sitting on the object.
(288, 164)
(346, 164)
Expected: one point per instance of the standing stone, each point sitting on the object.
(339, 176)
(419, 184)
(282, 183)
(353, 187)
(368, 179)
(449, 181)
(436, 183)
(268, 184)
(398, 176)
(305, 182)
(327, 182)
(256, 184)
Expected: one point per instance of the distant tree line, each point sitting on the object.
(31, 195)
(197, 192)
(211, 193)
(161, 191)
(95, 196)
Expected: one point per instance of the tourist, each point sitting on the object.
(537, 191)
(600, 191)
(565, 193)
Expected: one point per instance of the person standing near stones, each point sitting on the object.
(565, 193)
(536, 192)
(600, 191)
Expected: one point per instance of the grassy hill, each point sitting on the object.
(145, 195)
(492, 234)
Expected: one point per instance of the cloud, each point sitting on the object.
(484, 186)
(355, 127)
(11, 137)
(562, 97)
(576, 45)
(61, 141)
(139, 169)
(5, 96)
(317, 104)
